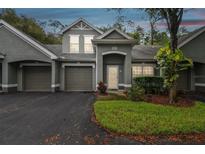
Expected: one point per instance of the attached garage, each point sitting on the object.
(37, 78)
(78, 78)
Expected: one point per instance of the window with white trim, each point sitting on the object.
(88, 46)
(142, 70)
(74, 43)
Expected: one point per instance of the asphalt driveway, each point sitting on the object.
(51, 118)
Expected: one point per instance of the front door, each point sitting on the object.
(112, 77)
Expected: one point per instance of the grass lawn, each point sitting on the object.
(136, 118)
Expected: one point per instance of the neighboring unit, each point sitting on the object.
(87, 56)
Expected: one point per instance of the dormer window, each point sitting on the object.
(74, 43)
(88, 46)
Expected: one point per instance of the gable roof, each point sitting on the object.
(39, 46)
(187, 38)
(81, 20)
(112, 30)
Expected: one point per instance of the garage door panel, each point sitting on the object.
(78, 78)
(37, 78)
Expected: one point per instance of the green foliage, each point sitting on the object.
(136, 93)
(172, 63)
(143, 118)
(151, 85)
(29, 26)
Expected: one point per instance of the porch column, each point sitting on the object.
(55, 85)
(4, 76)
(62, 78)
(127, 71)
(192, 78)
(20, 78)
(99, 67)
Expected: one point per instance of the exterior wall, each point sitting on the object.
(113, 59)
(17, 49)
(81, 33)
(127, 60)
(184, 81)
(195, 48)
(199, 76)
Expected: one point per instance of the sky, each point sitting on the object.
(192, 19)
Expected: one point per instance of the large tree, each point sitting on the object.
(153, 15)
(29, 26)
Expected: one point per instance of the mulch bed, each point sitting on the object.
(164, 100)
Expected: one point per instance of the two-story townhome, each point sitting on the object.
(87, 56)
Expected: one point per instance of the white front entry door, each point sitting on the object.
(112, 76)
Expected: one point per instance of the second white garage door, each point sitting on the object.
(78, 78)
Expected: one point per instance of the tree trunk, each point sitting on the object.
(172, 94)
(152, 34)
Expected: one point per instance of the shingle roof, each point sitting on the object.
(188, 37)
(144, 52)
(55, 48)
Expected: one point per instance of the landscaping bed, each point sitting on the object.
(164, 100)
(141, 118)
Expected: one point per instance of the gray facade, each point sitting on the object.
(27, 65)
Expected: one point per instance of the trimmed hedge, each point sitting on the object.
(151, 85)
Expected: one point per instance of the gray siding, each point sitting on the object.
(115, 35)
(66, 39)
(17, 49)
(195, 49)
(127, 60)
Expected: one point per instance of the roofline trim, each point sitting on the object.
(191, 38)
(28, 40)
(114, 29)
(78, 20)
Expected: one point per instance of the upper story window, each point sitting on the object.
(88, 47)
(142, 70)
(74, 43)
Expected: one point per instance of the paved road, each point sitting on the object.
(51, 118)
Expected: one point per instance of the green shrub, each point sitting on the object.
(136, 93)
(151, 85)
(102, 88)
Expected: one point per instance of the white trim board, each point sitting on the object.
(80, 20)
(200, 84)
(191, 38)
(55, 85)
(112, 30)
(28, 40)
(114, 52)
(9, 85)
(78, 64)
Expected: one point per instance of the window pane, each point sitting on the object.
(136, 71)
(74, 44)
(148, 71)
(88, 47)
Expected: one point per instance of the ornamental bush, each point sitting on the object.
(102, 88)
(151, 85)
(136, 93)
